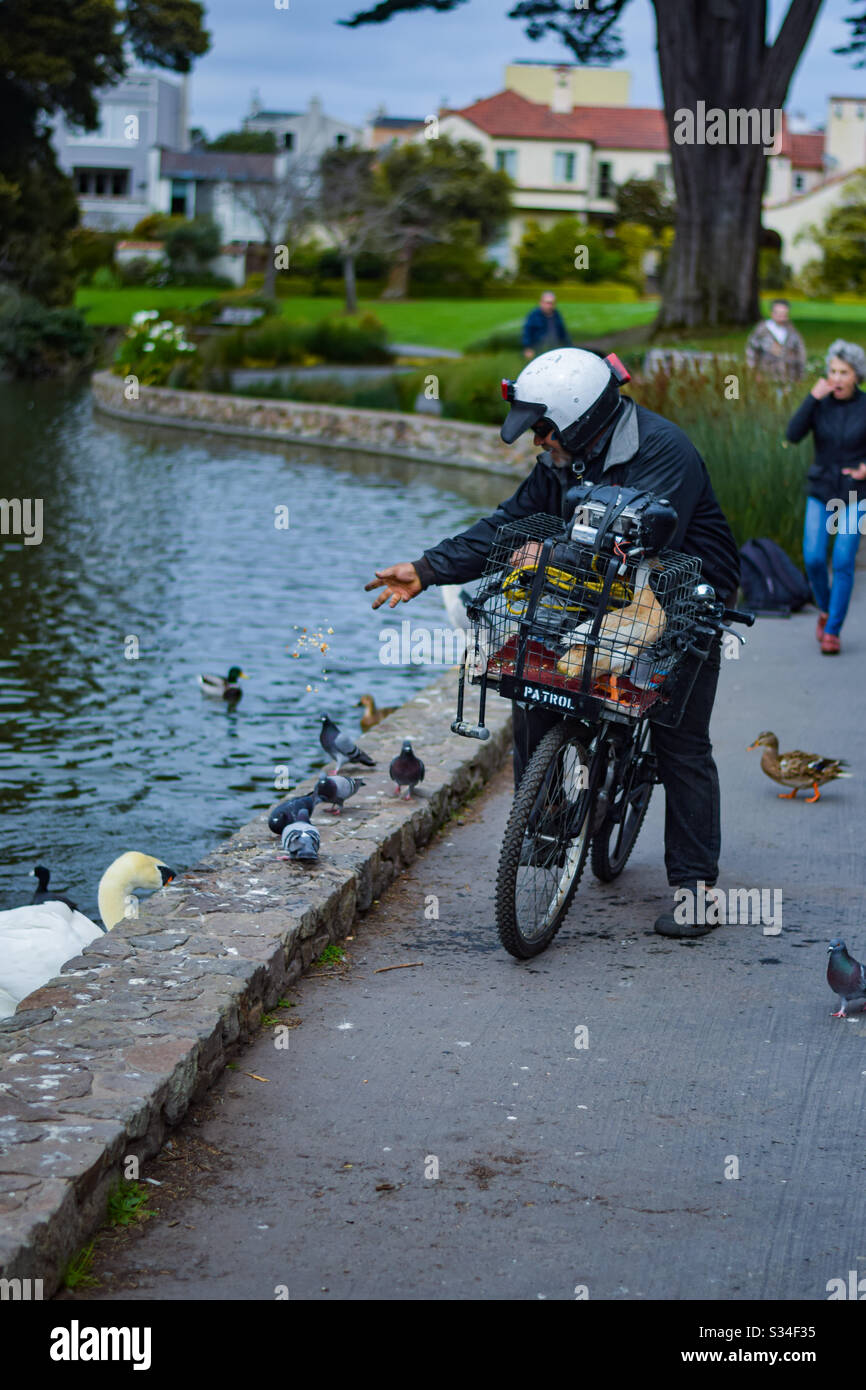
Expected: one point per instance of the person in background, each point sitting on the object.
(835, 412)
(543, 327)
(775, 348)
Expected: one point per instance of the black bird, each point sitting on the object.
(341, 746)
(406, 770)
(335, 790)
(44, 894)
(300, 839)
(287, 811)
(847, 978)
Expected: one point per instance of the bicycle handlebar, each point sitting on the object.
(733, 615)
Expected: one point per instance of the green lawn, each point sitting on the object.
(453, 323)
(447, 323)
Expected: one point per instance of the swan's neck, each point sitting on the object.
(116, 900)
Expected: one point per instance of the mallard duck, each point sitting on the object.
(373, 716)
(223, 687)
(797, 769)
(37, 939)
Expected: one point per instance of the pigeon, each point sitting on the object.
(335, 790)
(847, 978)
(287, 811)
(300, 839)
(44, 894)
(341, 746)
(406, 770)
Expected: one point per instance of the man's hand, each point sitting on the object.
(528, 353)
(821, 388)
(400, 582)
(858, 473)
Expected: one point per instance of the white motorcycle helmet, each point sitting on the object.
(569, 388)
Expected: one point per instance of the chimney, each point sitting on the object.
(561, 100)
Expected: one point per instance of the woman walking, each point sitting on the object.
(835, 412)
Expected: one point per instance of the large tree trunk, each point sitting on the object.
(714, 52)
(350, 286)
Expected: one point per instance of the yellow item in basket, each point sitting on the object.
(516, 589)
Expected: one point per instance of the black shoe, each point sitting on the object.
(666, 925)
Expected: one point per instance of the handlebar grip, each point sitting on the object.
(732, 615)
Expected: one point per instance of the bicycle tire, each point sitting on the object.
(511, 918)
(607, 866)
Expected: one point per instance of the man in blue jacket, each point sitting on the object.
(570, 399)
(543, 327)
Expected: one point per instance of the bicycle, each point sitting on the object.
(561, 607)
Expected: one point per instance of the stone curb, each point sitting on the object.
(420, 438)
(103, 1059)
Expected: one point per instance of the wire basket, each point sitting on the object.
(557, 623)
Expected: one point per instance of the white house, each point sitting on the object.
(568, 137)
(306, 134)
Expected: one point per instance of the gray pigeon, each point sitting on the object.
(287, 811)
(341, 746)
(406, 770)
(847, 978)
(301, 840)
(335, 790)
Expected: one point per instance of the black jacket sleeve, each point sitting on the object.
(460, 558)
(802, 420)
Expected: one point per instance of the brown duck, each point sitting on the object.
(797, 769)
(373, 716)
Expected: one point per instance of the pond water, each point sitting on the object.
(161, 559)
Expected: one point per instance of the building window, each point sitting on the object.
(799, 183)
(289, 140)
(506, 162)
(662, 173)
(861, 112)
(101, 183)
(563, 167)
(838, 112)
(605, 179)
(340, 141)
(179, 188)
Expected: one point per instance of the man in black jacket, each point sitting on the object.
(570, 398)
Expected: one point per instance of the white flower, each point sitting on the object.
(148, 347)
(144, 316)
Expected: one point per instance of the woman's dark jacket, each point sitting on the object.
(839, 429)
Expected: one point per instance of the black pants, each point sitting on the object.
(687, 770)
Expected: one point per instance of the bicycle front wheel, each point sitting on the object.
(545, 844)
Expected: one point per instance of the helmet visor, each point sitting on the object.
(522, 416)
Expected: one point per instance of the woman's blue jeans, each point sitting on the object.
(822, 522)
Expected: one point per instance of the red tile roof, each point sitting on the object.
(806, 151)
(508, 115)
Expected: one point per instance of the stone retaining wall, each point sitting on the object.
(424, 438)
(103, 1059)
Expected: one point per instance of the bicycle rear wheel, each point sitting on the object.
(545, 844)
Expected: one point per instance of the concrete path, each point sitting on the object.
(608, 1168)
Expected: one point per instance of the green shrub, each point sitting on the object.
(374, 395)
(757, 475)
(92, 251)
(38, 341)
(347, 338)
(277, 341)
(549, 252)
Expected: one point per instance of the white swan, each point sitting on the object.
(36, 940)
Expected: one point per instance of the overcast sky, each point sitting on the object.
(416, 62)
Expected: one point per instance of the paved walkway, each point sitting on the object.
(558, 1167)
